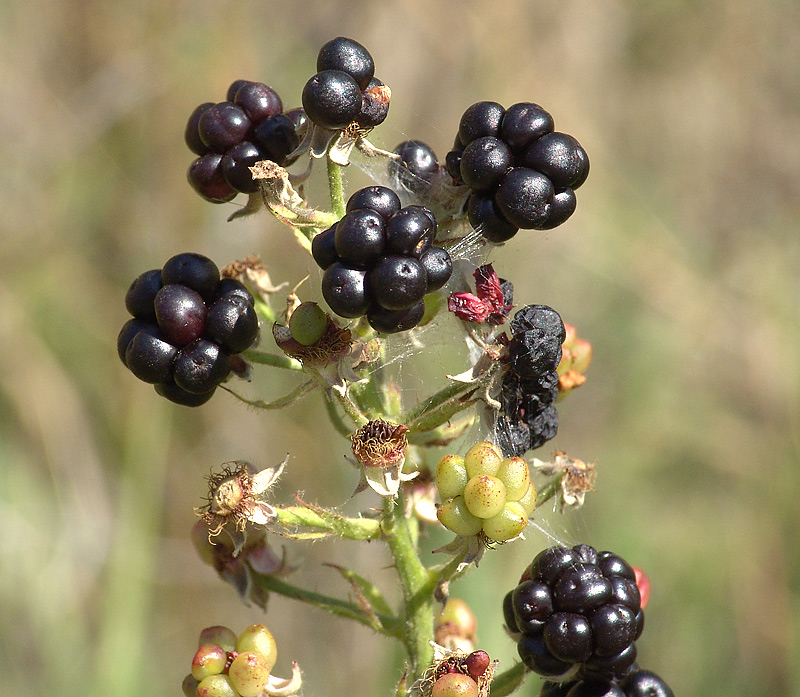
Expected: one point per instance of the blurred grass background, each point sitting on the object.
(680, 265)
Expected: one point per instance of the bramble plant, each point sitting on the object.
(394, 258)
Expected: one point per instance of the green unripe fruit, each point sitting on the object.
(528, 500)
(221, 636)
(507, 524)
(484, 496)
(482, 458)
(189, 686)
(216, 686)
(210, 659)
(451, 476)
(453, 514)
(248, 674)
(308, 323)
(514, 473)
(259, 639)
(455, 685)
(457, 617)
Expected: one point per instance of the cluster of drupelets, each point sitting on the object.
(576, 613)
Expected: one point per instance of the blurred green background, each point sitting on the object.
(680, 265)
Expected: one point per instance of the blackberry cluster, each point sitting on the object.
(345, 90)
(416, 168)
(528, 417)
(187, 325)
(576, 607)
(522, 173)
(637, 683)
(231, 136)
(379, 260)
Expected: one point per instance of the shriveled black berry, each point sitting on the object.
(397, 282)
(223, 125)
(206, 178)
(484, 216)
(130, 329)
(345, 291)
(142, 294)
(258, 101)
(543, 426)
(568, 636)
(595, 688)
(180, 396)
(380, 199)
(194, 271)
(236, 164)
(360, 238)
(392, 321)
(230, 286)
(150, 356)
(524, 196)
(533, 604)
(332, 99)
(323, 247)
(542, 319)
(561, 208)
(201, 366)
(410, 232)
(581, 588)
(191, 133)
(181, 313)
(480, 119)
(524, 123)
(232, 323)
(644, 683)
(613, 628)
(512, 436)
(438, 267)
(550, 563)
(276, 137)
(484, 163)
(374, 105)
(560, 158)
(534, 655)
(348, 56)
(417, 166)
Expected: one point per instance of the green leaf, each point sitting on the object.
(365, 590)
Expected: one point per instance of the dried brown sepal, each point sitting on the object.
(577, 477)
(380, 444)
(252, 272)
(335, 343)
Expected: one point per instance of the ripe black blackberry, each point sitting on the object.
(344, 89)
(187, 325)
(522, 174)
(637, 683)
(530, 387)
(379, 260)
(569, 611)
(416, 168)
(231, 136)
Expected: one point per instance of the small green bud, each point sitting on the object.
(507, 524)
(308, 323)
(484, 496)
(210, 659)
(248, 674)
(516, 476)
(528, 500)
(216, 686)
(482, 458)
(259, 639)
(453, 514)
(451, 476)
(221, 636)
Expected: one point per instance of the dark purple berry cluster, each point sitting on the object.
(522, 173)
(528, 416)
(344, 90)
(416, 168)
(379, 260)
(577, 611)
(231, 136)
(187, 324)
(637, 683)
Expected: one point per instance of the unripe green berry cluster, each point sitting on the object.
(226, 665)
(483, 493)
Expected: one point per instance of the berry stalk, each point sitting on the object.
(336, 187)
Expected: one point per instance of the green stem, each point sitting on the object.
(418, 585)
(263, 358)
(350, 407)
(336, 187)
(279, 403)
(342, 608)
(454, 389)
(548, 491)
(336, 418)
(328, 522)
(509, 680)
(263, 309)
